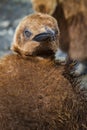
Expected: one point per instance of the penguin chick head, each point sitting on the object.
(44, 6)
(36, 34)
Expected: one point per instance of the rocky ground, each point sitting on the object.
(11, 12)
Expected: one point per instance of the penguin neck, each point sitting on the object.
(38, 57)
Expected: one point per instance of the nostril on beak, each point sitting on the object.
(52, 33)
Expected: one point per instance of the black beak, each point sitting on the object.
(45, 36)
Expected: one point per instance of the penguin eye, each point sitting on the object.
(27, 33)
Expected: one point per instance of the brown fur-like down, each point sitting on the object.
(44, 6)
(34, 94)
(72, 19)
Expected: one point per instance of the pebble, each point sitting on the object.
(5, 24)
(10, 31)
(3, 32)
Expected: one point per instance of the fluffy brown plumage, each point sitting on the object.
(77, 28)
(44, 6)
(34, 94)
(72, 19)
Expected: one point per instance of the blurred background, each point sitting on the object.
(11, 12)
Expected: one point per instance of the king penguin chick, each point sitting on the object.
(34, 94)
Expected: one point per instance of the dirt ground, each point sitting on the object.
(11, 12)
